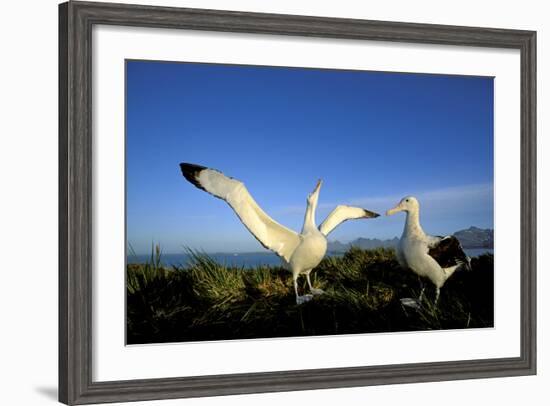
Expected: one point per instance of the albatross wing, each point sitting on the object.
(267, 231)
(448, 252)
(342, 213)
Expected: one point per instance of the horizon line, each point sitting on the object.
(267, 251)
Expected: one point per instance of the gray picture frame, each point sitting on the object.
(76, 20)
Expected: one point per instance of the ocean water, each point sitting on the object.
(476, 252)
(248, 259)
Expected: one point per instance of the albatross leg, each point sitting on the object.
(436, 296)
(313, 290)
(299, 299)
(422, 288)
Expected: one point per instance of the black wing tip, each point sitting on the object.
(371, 214)
(191, 173)
(187, 167)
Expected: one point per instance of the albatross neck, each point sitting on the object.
(412, 224)
(309, 219)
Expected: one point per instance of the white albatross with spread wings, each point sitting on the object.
(300, 252)
(432, 257)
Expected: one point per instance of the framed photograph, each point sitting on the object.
(257, 202)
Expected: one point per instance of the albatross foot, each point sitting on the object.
(302, 299)
(315, 291)
(410, 302)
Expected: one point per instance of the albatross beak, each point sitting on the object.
(318, 186)
(396, 209)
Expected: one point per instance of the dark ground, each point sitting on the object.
(208, 301)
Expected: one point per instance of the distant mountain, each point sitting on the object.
(472, 237)
(475, 237)
(363, 243)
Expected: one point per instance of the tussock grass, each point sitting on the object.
(206, 300)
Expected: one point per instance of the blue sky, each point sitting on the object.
(372, 137)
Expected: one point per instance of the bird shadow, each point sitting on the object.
(49, 392)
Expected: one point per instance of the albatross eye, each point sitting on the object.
(406, 200)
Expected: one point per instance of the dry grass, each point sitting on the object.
(209, 301)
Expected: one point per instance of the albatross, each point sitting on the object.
(432, 257)
(300, 252)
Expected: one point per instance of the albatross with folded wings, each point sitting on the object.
(432, 257)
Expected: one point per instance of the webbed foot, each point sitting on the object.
(410, 302)
(302, 299)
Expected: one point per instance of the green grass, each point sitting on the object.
(208, 301)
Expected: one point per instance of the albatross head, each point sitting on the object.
(313, 197)
(408, 204)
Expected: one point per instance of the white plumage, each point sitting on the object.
(300, 252)
(432, 257)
